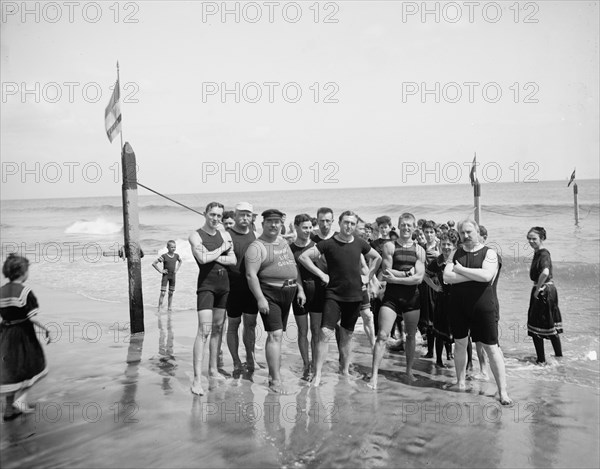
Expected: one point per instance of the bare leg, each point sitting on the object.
(368, 325)
(411, 320)
(233, 341)
(497, 365)
(345, 350)
(302, 323)
(386, 320)
(483, 360)
(215, 342)
(324, 335)
(273, 354)
(204, 328)
(249, 338)
(315, 327)
(170, 301)
(460, 362)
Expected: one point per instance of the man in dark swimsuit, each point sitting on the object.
(343, 292)
(403, 268)
(212, 250)
(241, 304)
(474, 307)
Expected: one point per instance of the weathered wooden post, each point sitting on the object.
(476, 196)
(575, 192)
(131, 231)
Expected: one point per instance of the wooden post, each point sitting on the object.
(576, 204)
(476, 195)
(131, 230)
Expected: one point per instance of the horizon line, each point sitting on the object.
(302, 190)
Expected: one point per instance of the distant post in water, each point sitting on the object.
(131, 230)
(476, 196)
(575, 192)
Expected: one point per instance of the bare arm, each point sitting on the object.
(485, 274)
(201, 254)
(228, 258)
(406, 278)
(155, 265)
(255, 254)
(307, 259)
(374, 261)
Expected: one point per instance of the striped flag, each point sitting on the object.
(473, 174)
(572, 178)
(112, 114)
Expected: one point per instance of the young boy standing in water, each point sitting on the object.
(171, 261)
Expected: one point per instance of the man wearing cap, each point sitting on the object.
(343, 291)
(273, 279)
(241, 303)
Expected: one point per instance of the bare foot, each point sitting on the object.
(505, 400)
(410, 378)
(278, 387)
(217, 376)
(23, 407)
(316, 381)
(460, 387)
(196, 388)
(306, 373)
(372, 384)
(441, 365)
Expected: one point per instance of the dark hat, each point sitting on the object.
(272, 213)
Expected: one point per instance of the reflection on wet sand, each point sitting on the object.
(166, 360)
(128, 405)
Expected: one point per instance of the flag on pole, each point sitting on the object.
(112, 114)
(572, 178)
(473, 174)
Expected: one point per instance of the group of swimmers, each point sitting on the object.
(445, 286)
(425, 276)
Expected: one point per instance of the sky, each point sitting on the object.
(242, 96)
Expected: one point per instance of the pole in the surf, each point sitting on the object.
(476, 190)
(477, 204)
(575, 192)
(131, 231)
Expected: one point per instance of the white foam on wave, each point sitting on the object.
(592, 355)
(99, 226)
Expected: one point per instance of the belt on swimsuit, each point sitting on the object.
(283, 284)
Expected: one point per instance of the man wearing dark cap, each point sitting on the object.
(241, 303)
(273, 279)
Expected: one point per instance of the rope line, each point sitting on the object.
(168, 198)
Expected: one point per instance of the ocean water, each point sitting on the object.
(71, 244)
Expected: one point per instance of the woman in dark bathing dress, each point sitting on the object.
(544, 320)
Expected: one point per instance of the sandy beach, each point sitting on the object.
(112, 400)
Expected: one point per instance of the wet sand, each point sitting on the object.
(112, 400)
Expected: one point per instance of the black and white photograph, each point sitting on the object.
(300, 234)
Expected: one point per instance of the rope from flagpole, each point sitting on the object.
(168, 198)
